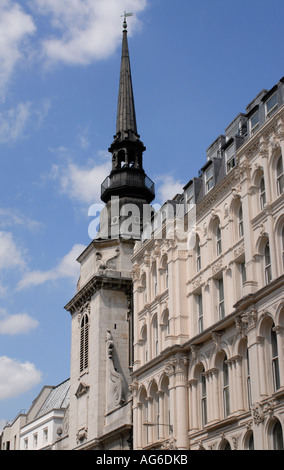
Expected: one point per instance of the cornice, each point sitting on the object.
(96, 283)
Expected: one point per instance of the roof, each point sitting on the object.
(58, 398)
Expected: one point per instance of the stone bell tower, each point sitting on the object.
(100, 411)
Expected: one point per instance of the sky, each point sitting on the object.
(195, 66)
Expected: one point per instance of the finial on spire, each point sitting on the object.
(126, 15)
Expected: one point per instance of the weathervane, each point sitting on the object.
(126, 15)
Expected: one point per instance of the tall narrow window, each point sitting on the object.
(254, 123)
(221, 298)
(275, 360)
(218, 240)
(230, 158)
(155, 337)
(200, 312)
(198, 254)
(226, 389)
(209, 179)
(167, 276)
(248, 380)
(241, 222)
(144, 344)
(262, 193)
(84, 343)
(280, 176)
(243, 273)
(154, 274)
(267, 264)
(271, 105)
(203, 399)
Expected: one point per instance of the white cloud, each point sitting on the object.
(12, 217)
(87, 30)
(68, 267)
(10, 255)
(15, 27)
(167, 187)
(82, 184)
(15, 121)
(17, 378)
(20, 323)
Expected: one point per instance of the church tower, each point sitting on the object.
(100, 410)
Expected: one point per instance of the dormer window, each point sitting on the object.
(209, 179)
(230, 157)
(254, 123)
(189, 197)
(271, 105)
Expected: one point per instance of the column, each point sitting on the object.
(193, 404)
(181, 403)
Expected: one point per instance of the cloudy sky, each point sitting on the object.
(195, 66)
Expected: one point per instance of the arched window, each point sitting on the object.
(165, 416)
(84, 343)
(241, 222)
(275, 359)
(154, 279)
(155, 342)
(143, 289)
(249, 444)
(267, 264)
(203, 397)
(221, 298)
(226, 388)
(144, 341)
(262, 193)
(225, 445)
(199, 302)
(277, 435)
(154, 412)
(280, 176)
(164, 273)
(248, 378)
(144, 416)
(198, 254)
(218, 240)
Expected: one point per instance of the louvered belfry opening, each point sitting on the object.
(84, 343)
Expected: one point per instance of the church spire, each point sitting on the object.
(126, 117)
(127, 179)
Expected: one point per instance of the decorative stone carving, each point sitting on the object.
(216, 267)
(170, 444)
(114, 383)
(217, 337)
(239, 251)
(82, 435)
(257, 414)
(108, 264)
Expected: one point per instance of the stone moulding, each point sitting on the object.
(95, 284)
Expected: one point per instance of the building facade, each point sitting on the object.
(177, 324)
(208, 318)
(42, 426)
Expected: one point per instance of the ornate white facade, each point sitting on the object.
(209, 321)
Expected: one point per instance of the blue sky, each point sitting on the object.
(195, 66)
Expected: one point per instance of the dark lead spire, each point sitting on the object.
(127, 179)
(126, 118)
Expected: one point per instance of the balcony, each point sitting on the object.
(132, 179)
